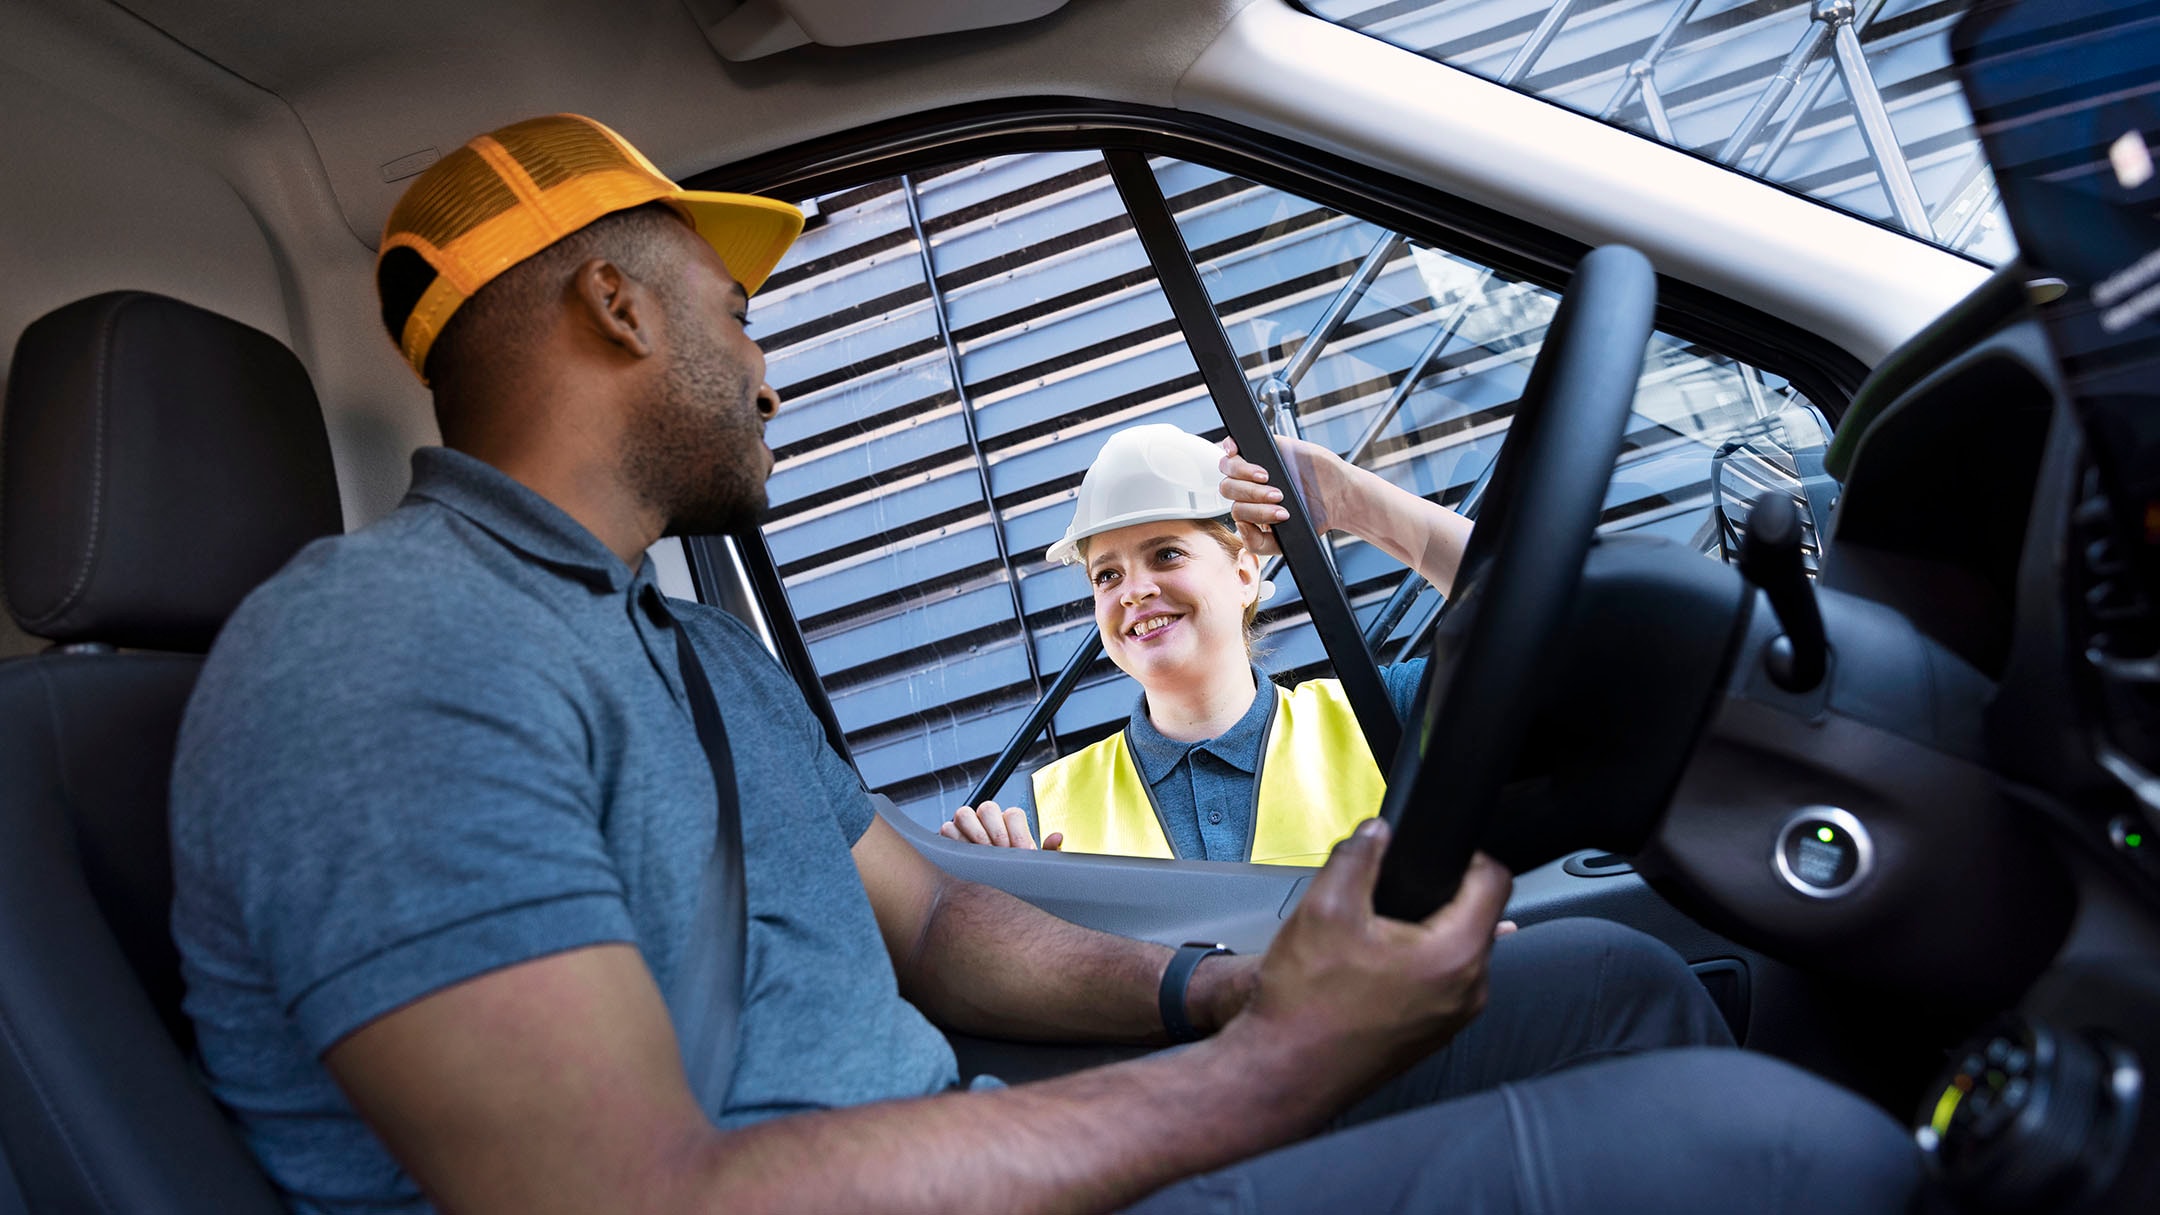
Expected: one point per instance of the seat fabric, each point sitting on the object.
(11, 1199)
(159, 461)
(99, 1108)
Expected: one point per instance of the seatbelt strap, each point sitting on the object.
(709, 978)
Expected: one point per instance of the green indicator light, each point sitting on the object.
(1827, 836)
(1945, 1106)
(2134, 840)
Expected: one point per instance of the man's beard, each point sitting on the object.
(695, 451)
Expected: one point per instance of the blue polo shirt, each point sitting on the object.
(1205, 789)
(458, 740)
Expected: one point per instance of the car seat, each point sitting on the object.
(159, 461)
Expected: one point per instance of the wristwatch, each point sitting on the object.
(1175, 978)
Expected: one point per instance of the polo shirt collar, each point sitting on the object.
(1239, 746)
(513, 513)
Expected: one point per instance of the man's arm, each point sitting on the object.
(978, 960)
(555, 1085)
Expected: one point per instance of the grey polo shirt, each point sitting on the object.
(1205, 789)
(458, 740)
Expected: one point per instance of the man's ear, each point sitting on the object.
(615, 307)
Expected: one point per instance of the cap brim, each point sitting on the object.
(750, 234)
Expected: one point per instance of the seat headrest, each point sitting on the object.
(156, 462)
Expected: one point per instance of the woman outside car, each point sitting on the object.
(1216, 763)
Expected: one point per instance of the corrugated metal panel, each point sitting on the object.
(880, 522)
(1708, 76)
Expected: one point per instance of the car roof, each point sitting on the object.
(378, 81)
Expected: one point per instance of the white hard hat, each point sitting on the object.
(1145, 474)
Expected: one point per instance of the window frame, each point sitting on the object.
(1825, 373)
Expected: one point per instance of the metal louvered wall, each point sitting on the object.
(945, 395)
(881, 524)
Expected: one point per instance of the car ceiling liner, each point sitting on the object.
(752, 29)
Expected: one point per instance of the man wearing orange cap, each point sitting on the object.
(503, 884)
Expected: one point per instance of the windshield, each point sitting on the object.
(1848, 101)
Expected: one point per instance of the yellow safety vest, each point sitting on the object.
(1317, 781)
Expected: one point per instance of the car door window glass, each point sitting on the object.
(923, 467)
(945, 395)
(1419, 377)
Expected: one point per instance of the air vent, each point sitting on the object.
(2112, 610)
(2110, 616)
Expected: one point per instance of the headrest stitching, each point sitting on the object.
(97, 472)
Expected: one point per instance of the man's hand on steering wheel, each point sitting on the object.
(1373, 994)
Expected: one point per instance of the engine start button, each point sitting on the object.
(1823, 852)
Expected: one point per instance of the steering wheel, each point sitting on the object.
(1518, 577)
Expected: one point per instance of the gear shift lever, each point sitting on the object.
(1770, 558)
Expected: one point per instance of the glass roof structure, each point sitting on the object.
(1851, 102)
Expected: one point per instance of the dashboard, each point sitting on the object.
(1945, 815)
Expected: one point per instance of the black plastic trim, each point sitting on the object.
(1989, 307)
(1597, 865)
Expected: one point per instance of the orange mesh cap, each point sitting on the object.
(510, 193)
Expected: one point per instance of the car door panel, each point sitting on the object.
(1171, 902)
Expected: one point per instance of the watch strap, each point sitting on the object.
(1176, 978)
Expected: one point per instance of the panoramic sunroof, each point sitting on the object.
(1848, 101)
